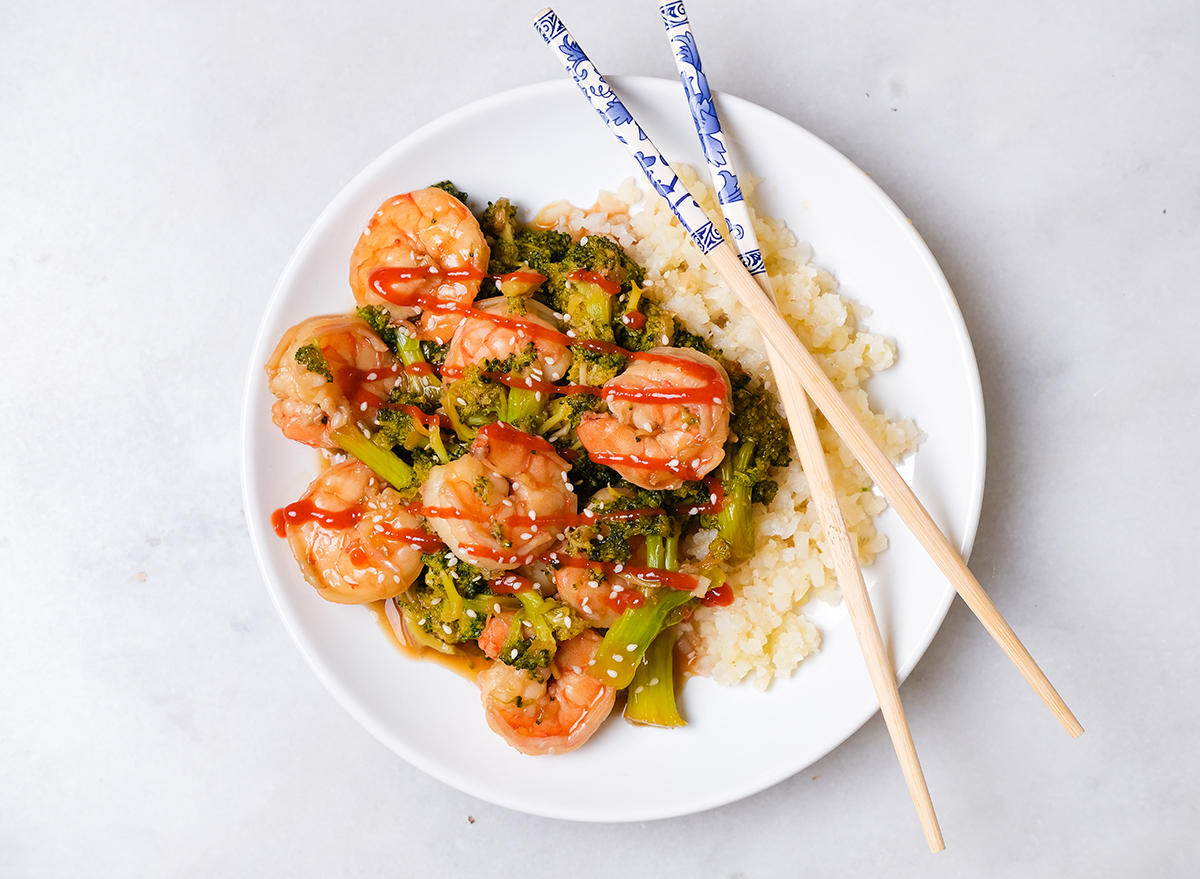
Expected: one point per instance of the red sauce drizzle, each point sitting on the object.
(304, 510)
(635, 320)
(510, 584)
(419, 368)
(674, 579)
(713, 387)
(722, 596)
(583, 276)
(519, 277)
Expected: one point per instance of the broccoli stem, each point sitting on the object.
(524, 405)
(353, 441)
(631, 635)
(652, 691)
(409, 349)
(735, 521)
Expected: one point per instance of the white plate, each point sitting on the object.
(535, 145)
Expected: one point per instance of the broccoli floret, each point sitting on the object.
(473, 401)
(548, 622)
(564, 414)
(626, 513)
(499, 225)
(479, 397)
(452, 602)
(685, 339)
(643, 323)
(540, 249)
(434, 354)
(310, 357)
(763, 442)
(400, 423)
(452, 189)
(594, 368)
(379, 319)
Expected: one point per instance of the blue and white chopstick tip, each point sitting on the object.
(626, 129)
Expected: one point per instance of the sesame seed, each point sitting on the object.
(618, 657)
(471, 613)
(631, 647)
(292, 513)
(526, 536)
(653, 682)
(362, 407)
(618, 568)
(612, 673)
(379, 528)
(639, 689)
(577, 669)
(447, 629)
(371, 376)
(513, 655)
(396, 577)
(532, 515)
(569, 486)
(461, 401)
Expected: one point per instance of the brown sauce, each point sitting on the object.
(463, 663)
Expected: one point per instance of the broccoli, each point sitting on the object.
(499, 225)
(652, 690)
(586, 304)
(452, 602)
(548, 620)
(625, 513)
(482, 395)
(310, 357)
(594, 368)
(452, 189)
(643, 323)
(406, 421)
(763, 442)
(565, 413)
(685, 339)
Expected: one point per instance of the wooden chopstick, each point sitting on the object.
(778, 334)
(800, 418)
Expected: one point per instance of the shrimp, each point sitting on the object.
(353, 537)
(667, 422)
(427, 228)
(537, 716)
(479, 338)
(361, 370)
(503, 503)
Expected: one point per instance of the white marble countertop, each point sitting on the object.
(159, 163)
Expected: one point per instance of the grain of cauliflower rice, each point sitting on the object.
(764, 632)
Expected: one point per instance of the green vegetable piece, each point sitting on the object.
(651, 698)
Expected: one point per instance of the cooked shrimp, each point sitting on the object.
(667, 422)
(479, 338)
(428, 228)
(363, 372)
(352, 536)
(504, 502)
(537, 716)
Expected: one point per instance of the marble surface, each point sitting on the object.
(158, 164)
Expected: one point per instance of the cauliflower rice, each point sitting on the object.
(764, 632)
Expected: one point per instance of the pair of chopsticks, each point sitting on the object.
(797, 372)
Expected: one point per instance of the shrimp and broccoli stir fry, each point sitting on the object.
(522, 440)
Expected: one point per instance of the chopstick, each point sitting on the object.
(778, 334)
(804, 430)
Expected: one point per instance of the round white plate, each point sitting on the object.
(542, 143)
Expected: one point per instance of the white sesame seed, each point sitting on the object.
(526, 536)
(513, 655)
(569, 486)
(461, 401)
(532, 515)
(618, 657)
(618, 568)
(371, 376)
(396, 577)
(612, 673)
(631, 647)
(577, 669)
(362, 407)
(653, 681)
(292, 513)
(639, 689)
(471, 613)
